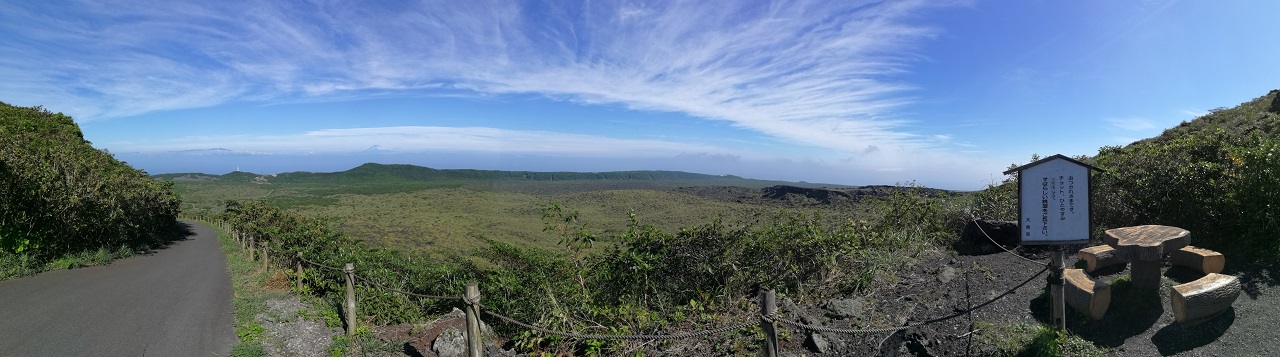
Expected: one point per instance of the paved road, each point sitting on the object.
(176, 302)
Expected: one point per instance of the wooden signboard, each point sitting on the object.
(1053, 201)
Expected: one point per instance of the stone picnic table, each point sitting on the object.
(1145, 247)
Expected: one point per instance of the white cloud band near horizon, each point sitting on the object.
(813, 73)
(413, 139)
(480, 147)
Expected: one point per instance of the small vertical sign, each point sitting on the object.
(1053, 209)
(1053, 201)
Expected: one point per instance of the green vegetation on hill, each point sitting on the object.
(649, 280)
(1260, 116)
(1218, 176)
(454, 211)
(59, 196)
(374, 178)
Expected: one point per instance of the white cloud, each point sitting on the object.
(1132, 124)
(1193, 113)
(815, 73)
(410, 139)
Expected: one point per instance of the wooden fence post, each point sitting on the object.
(769, 307)
(350, 269)
(472, 298)
(265, 257)
(1056, 280)
(299, 272)
(252, 247)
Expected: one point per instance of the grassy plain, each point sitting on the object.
(455, 216)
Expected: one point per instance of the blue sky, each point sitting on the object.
(947, 94)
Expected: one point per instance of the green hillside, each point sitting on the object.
(1217, 175)
(1260, 116)
(399, 173)
(59, 196)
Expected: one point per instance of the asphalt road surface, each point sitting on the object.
(175, 302)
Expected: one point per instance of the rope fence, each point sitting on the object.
(904, 327)
(767, 318)
(383, 287)
(675, 336)
(993, 242)
(318, 264)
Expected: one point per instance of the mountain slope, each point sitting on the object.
(1260, 116)
(373, 172)
(1217, 175)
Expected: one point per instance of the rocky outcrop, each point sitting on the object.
(817, 194)
(973, 241)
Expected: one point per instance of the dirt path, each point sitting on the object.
(174, 302)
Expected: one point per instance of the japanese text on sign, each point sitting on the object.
(1054, 205)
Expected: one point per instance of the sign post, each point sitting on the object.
(1053, 209)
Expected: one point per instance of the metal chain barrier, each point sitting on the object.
(918, 324)
(621, 337)
(383, 287)
(993, 241)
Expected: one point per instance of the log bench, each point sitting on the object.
(1204, 298)
(1202, 260)
(1086, 295)
(1099, 256)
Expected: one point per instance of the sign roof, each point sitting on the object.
(1047, 159)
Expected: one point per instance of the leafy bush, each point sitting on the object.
(1220, 187)
(1021, 339)
(1255, 193)
(59, 195)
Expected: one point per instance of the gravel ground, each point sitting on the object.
(1248, 329)
(289, 333)
(1137, 323)
(938, 286)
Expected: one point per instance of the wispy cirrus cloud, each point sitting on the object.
(815, 73)
(1132, 124)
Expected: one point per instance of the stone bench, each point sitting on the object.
(1099, 256)
(1204, 298)
(1202, 260)
(1086, 295)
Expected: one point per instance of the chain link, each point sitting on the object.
(676, 336)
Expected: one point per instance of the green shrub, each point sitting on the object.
(1255, 195)
(1220, 187)
(1026, 340)
(646, 281)
(60, 196)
